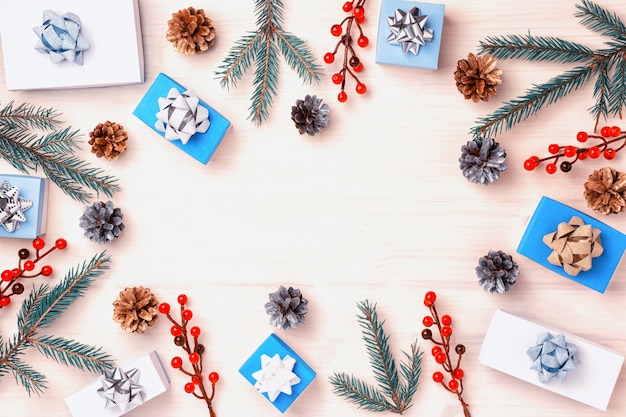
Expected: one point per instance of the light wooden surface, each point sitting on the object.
(373, 208)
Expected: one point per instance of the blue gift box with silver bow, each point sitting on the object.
(179, 116)
(409, 34)
(23, 206)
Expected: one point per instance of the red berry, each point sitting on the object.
(615, 131)
(551, 168)
(362, 41)
(29, 265)
(329, 57)
(440, 357)
(194, 357)
(594, 152)
(553, 148)
(359, 12)
(446, 331)
(437, 376)
(582, 137)
(361, 88)
(39, 243)
(582, 155)
(360, 19)
(529, 165)
(60, 243)
(182, 299)
(194, 331)
(196, 379)
(347, 6)
(164, 308)
(435, 350)
(609, 153)
(7, 275)
(427, 321)
(429, 298)
(446, 320)
(453, 384)
(175, 331)
(46, 271)
(458, 373)
(16, 272)
(569, 151)
(187, 315)
(335, 30)
(605, 131)
(189, 387)
(342, 97)
(337, 78)
(177, 362)
(214, 377)
(358, 68)
(5, 301)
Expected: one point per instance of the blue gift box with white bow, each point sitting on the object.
(23, 206)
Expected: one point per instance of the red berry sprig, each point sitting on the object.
(441, 350)
(608, 135)
(351, 63)
(26, 269)
(194, 354)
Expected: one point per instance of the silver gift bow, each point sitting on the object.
(553, 357)
(121, 389)
(181, 116)
(12, 207)
(409, 30)
(59, 37)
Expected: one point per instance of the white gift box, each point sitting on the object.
(112, 28)
(87, 402)
(508, 338)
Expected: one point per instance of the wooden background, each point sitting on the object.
(375, 207)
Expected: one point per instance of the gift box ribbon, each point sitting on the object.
(59, 37)
(181, 115)
(12, 207)
(121, 389)
(409, 30)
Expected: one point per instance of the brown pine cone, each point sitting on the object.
(190, 31)
(605, 191)
(108, 139)
(477, 77)
(135, 309)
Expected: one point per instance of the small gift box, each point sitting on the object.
(277, 372)
(23, 206)
(510, 341)
(71, 44)
(121, 390)
(409, 34)
(547, 219)
(178, 115)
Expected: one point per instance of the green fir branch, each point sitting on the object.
(39, 310)
(52, 151)
(607, 64)
(393, 392)
(261, 47)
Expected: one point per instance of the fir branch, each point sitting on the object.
(600, 20)
(70, 352)
(262, 47)
(535, 48)
(601, 94)
(393, 393)
(26, 116)
(29, 378)
(617, 89)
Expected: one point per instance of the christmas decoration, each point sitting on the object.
(25, 269)
(613, 132)
(52, 152)
(190, 31)
(262, 47)
(605, 191)
(135, 309)
(12, 207)
(482, 160)
(573, 245)
(181, 116)
(310, 115)
(607, 64)
(275, 376)
(108, 139)
(60, 37)
(351, 63)
(121, 389)
(102, 222)
(477, 77)
(408, 29)
(43, 306)
(194, 354)
(441, 350)
(497, 271)
(287, 308)
(395, 390)
(553, 357)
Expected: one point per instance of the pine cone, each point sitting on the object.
(482, 160)
(496, 272)
(605, 191)
(477, 77)
(108, 139)
(135, 309)
(102, 222)
(310, 115)
(190, 31)
(286, 308)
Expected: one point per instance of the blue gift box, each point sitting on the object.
(201, 146)
(271, 346)
(35, 190)
(428, 55)
(546, 218)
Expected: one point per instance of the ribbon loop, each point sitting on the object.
(553, 357)
(409, 30)
(12, 207)
(59, 37)
(181, 116)
(573, 245)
